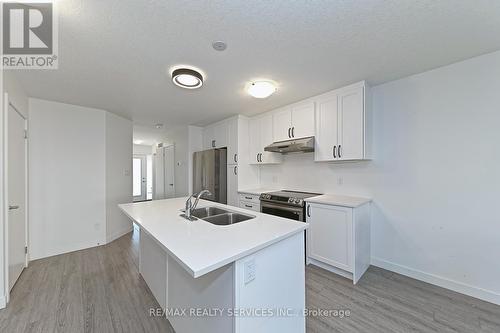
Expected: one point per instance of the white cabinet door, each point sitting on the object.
(351, 124)
(326, 128)
(232, 141)
(220, 134)
(254, 140)
(330, 235)
(233, 197)
(282, 125)
(266, 136)
(208, 137)
(302, 120)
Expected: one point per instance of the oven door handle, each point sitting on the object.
(288, 209)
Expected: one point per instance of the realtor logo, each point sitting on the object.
(29, 35)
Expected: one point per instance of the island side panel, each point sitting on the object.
(214, 290)
(153, 267)
(279, 284)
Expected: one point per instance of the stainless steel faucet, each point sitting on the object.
(190, 206)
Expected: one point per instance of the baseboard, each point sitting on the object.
(3, 302)
(119, 234)
(480, 293)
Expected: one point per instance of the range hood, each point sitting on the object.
(305, 145)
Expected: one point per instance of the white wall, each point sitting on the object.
(180, 138)
(118, 174)
(435, 177)
(67, 178)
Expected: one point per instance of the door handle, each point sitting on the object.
(340, 151)
(13, 207)
(236, 158)
(236, 170)
(293, 132)
(308, 211)
(334, 151)
(289, 136)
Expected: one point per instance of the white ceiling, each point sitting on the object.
(115, 55)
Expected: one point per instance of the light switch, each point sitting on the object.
(249, 271)
(126, 172)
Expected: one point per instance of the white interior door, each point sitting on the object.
(169, 163)
(17, 176)
(139, 177)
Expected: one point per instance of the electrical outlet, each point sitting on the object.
(249, 271)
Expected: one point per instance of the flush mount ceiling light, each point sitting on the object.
(261, 89)
(187, 78)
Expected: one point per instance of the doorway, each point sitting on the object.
(16, 199)
(142, 173)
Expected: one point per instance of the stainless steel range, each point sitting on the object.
(288, 204)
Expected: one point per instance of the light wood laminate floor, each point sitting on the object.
(100, 290)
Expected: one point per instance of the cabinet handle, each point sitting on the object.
(260, 157)
(236, 158)
(213, 143)
(334, 151)
(293, 132)
(340, 151)
(308, 210)
(248, 198)
(257, 157)
(248, 206)
(289, 136)
(236, 170)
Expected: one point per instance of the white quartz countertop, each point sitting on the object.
(339, 200)
(201, 247)
(257, 191)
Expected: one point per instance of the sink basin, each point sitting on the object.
(201, 213)
(218, 216)
(228, 218)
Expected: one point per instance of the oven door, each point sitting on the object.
(293, 213)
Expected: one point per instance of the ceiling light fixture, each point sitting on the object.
(187, 78)
(261, 89)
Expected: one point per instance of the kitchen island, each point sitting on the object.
(243, 277)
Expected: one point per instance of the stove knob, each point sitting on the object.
(298, 201)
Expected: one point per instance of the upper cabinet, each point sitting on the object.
(215, 135)
(294, 122)
(260, 136)
(341, 124)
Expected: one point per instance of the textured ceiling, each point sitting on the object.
(115, 55)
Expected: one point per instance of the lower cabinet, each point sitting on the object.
(249, 201)
(338, 238)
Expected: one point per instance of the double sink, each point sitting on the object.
(220, 216)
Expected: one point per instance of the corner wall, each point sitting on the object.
(118, 174)
(67, 195)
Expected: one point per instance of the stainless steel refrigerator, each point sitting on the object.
(210, 173)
